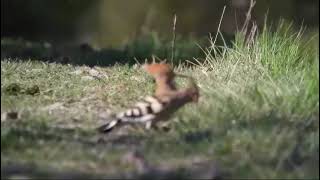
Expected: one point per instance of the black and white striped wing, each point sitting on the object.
(143, 111)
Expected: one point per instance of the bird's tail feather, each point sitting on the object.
(109, 126)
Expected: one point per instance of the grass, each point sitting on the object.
(258, 115)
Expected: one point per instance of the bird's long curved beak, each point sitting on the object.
(193, 88)
(191, 80)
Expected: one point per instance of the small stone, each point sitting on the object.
(77, 72)
(94, 72)
(87, 78)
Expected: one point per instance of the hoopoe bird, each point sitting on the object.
(166, 100)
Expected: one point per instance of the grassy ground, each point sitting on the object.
(258, 116)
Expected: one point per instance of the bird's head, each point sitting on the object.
(159, 70)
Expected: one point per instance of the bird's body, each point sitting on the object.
(159, 107)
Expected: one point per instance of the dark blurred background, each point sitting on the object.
(112, 23)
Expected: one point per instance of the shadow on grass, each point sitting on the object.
(83, 54)
(139, 49)
(12, 134)
(24, 171)
(129, 140)
(28, 133)
(32, 171)
(197, 136)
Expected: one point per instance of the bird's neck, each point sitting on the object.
(165, 85)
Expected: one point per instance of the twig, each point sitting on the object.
(173, 37)
(216, 37)
(244, 28)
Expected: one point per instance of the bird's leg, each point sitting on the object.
(148, 125)
(165, 126)
(154, 125)
(161, 126)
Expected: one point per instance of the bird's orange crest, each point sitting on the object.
(158, 69)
